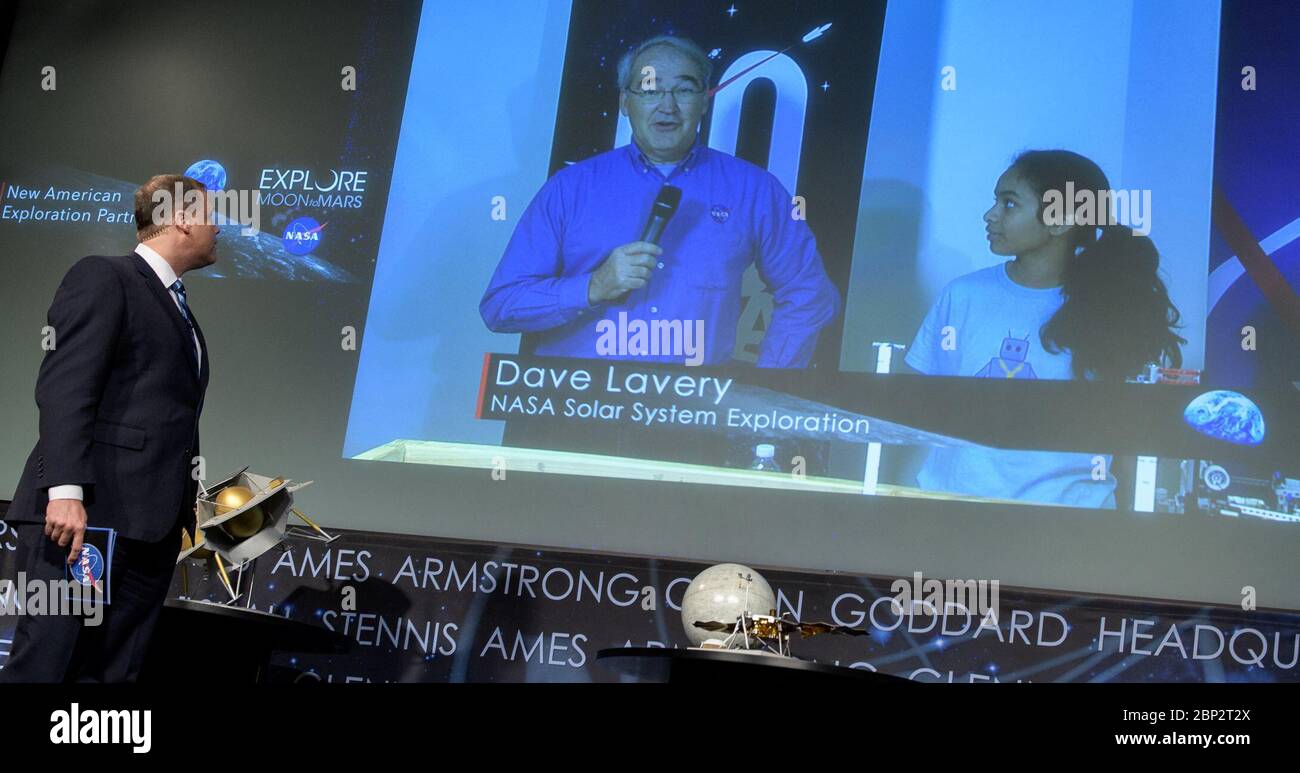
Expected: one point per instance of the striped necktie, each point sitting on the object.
(179, 289)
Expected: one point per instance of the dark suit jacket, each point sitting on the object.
(119, 398)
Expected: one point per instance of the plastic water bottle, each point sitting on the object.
(764, 454)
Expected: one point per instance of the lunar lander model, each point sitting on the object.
(238, 519)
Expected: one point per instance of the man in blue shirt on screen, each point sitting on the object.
(574, 260)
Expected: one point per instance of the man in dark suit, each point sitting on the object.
(119, 395)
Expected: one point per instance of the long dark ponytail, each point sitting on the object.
(1117, 316)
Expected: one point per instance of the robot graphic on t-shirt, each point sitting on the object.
(1010, 362)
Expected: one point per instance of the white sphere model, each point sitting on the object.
(720, 594)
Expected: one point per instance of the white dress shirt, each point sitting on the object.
(167, 276)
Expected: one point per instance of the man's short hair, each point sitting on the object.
(145, 227)
(681, 45)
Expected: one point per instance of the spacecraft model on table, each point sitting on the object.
(238, 519)
(772, 631)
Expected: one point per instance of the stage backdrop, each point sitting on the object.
(429, 610)
(397, 259)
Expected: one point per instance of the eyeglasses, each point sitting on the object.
(681, 95)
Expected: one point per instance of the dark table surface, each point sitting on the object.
(657, 664)
(228, 644)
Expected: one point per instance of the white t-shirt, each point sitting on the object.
(990, 325)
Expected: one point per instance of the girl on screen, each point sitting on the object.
(1077, 301)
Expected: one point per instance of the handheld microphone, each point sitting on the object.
(664, 208)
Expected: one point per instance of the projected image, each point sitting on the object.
(1080, 299)
(297, 205)
(1019, 232)
(806, 249)
(741, 121)
(1115, 172)
(1254, 288)
(782, 105)
(1076, 301)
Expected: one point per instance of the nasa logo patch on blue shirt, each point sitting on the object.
(719, 213)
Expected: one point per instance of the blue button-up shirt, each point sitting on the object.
(732, 214)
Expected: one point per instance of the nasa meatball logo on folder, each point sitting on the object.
(89, 574)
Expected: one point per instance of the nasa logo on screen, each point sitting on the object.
(719, 213)
(211, 173)
(302, 235)
(90, 567)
